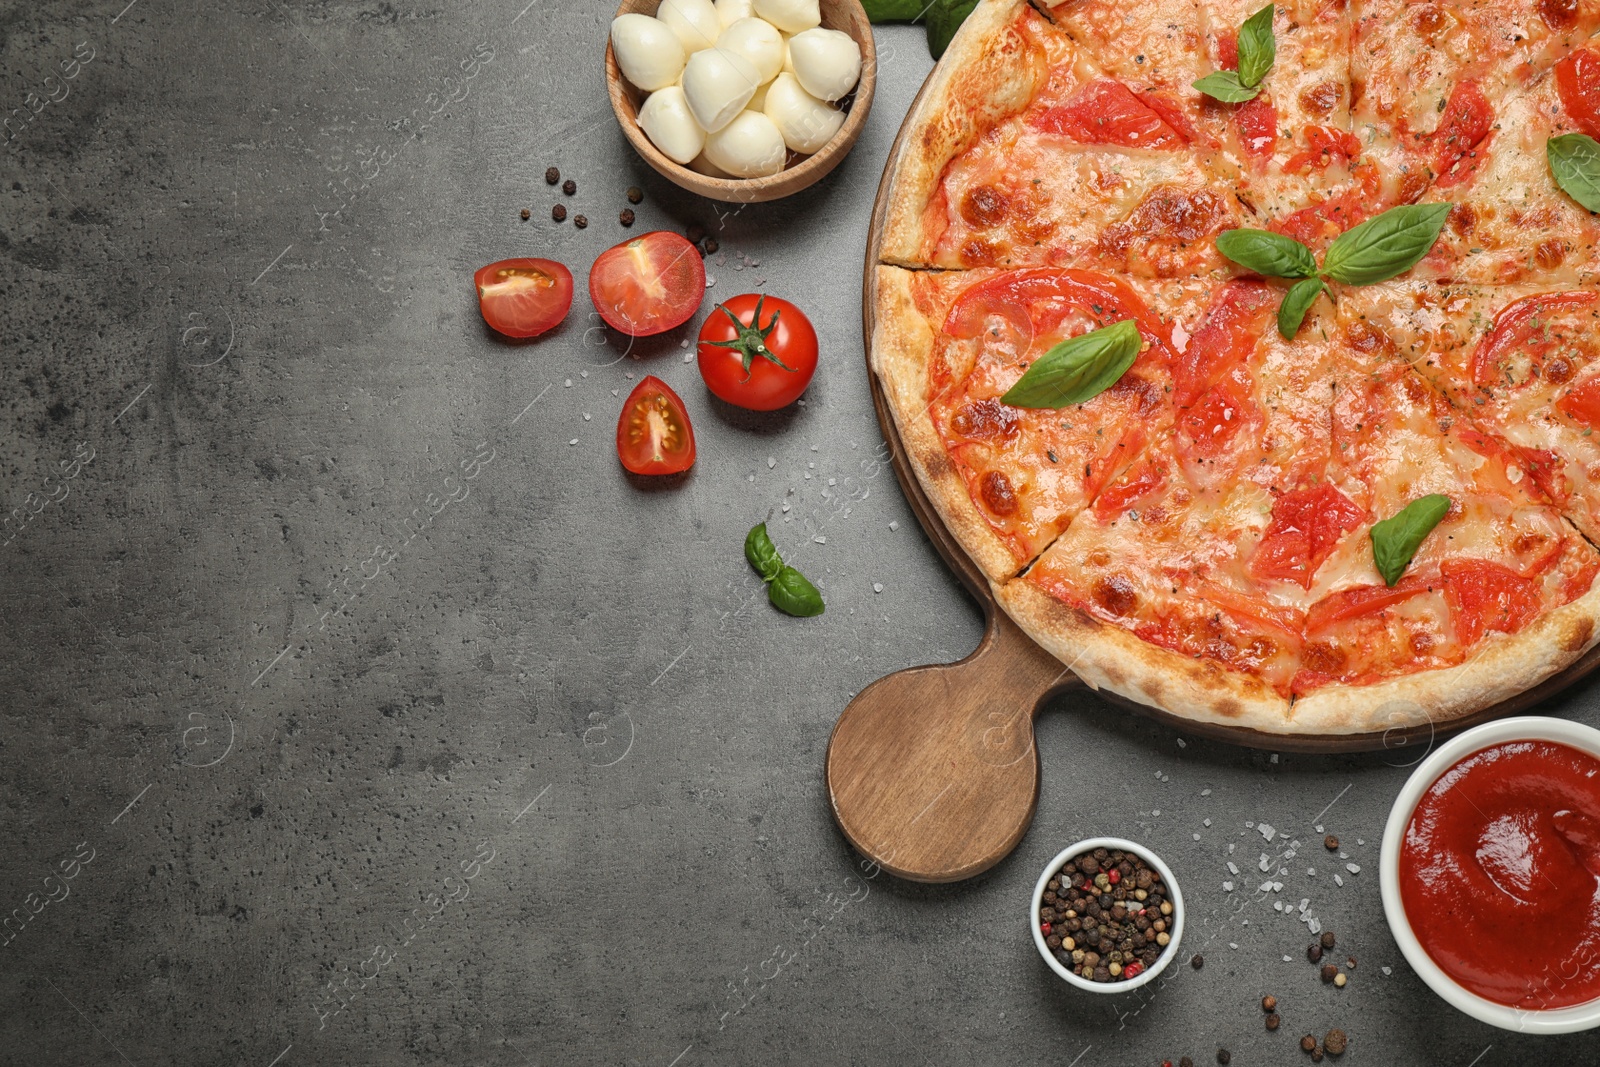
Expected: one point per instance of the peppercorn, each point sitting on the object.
(635, 194)
(1308, 1043)
(626, 218)
(1335, 1041)
(526, 214)
(712, 246)
(569, 187)
(1330, 843)
(1186, 1062)
(1273, 1021)
(1316, 1054)
(580, 221)
(1269, 1003)
(1350, 962)
(1224, 1057)
(1329, 972)
(1340, 980)
(559, 213)
(1314, 952)
(1327, 939)
(1113, 876)
(1198, 961)
(551, 175)
(696, 234)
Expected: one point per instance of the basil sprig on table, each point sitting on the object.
(1375, 251)
(942, 18)
(1078, 369)
(788, 589)
(1258, 50)
(1575, 162)
(1396, 540)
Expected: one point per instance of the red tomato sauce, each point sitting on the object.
(1500, 874)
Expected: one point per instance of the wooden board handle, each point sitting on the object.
(932, 772)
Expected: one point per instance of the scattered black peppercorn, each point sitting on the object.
(580, 221)
(1316, 1054)
(695, 233)
(551, 175)
(1269, 1003)
(526, 214)
(1330, 843)
(1329, 972)
(559, 213)
(711, 246)
(1198, 962)
(1335, 1042)
(1224, 1056)
(569, 187)
(1273, 1021)
(1308, 1043)
(1327, 939)
(635, 195)
(1185, 1061)
(626, 218)
(1314, 952)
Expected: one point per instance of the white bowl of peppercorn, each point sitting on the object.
(1107, 915)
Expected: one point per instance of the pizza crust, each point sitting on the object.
(1105, 656)
(986, 74)
(901, 350)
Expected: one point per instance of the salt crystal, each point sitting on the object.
(833, 481)
(813, 448)
(1289, 855)
(877, 587)
(1227, 887)
(812, 466)
(1359, 841)
(1197, 837)
(1264, 887)
(1156, 813)
(1387, 970)
(568, 383)
(1344, 855)
(750, 477)
(1274, 757)
(1249, 825)
(683, 343)
(1158, 774)
(688, 357)
(895, 525)
(1287, 959)
(1267, 831)
(1265, 864)
(1277, 905)
(1311, 872)
(771, 462)
(1205, 792)
(710, 282)
(583, 374)
(615, 393)
(1207, 822)
(1318, 828)
(573, 441)
(1232, 867)
(808, 476)
(1232, 945)
(820, 540)
(587, 416)
(1305, 902)
(1182, 743)
(1277, 887)
(786, 507)
(1230, 848)
(1314, 926)
(1353, 868)
(1338, 880)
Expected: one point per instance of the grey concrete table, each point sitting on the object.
(379, 718)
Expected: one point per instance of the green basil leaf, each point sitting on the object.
(792, 594)
(1270, 254)
(1257, 48)
(762, 553)
(1396, 540)
(1575, 163)
(894, 10)
(1296, 302)
(944, 19)
(1225, 85)
(1078, 369)
(1382, 247)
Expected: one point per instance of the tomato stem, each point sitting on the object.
(750, 340)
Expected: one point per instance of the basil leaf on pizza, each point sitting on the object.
(1257, 49)
(1296, 302)
(1575, 162)
(1078, 369)
(1269, 254)
(1382, 247)
(792, 594)
(1225, 85)
(1396, 540)
(761, 553)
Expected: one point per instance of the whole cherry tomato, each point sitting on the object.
(758, 352)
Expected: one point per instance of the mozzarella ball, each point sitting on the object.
(666, 120)
(758, 41)
(827, 62)
(650, 55)
(805, 122)
(718, 83)
(731, 11)
(702, 165)
(748, 147)
(790, 16)
(695, 22)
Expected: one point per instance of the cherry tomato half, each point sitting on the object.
(524, 297)
(653, 431)
(758, 352)
(649, 284)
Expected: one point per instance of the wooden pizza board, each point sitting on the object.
(932, 772)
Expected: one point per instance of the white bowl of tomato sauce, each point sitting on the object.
(1491, 874)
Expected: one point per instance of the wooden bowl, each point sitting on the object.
(800, 171)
